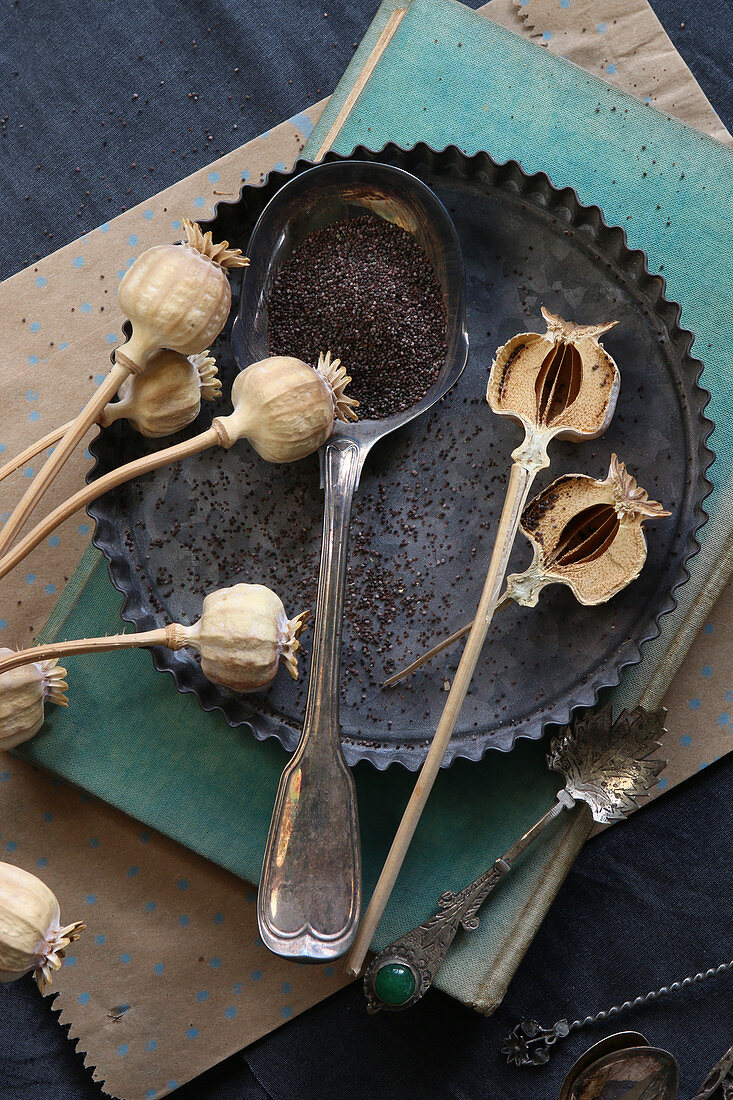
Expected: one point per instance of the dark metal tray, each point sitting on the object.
(427, 509)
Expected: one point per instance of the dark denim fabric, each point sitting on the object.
(103, 106)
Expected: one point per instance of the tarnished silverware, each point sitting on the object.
(623, 1066)
(605, 764)
(718, 1085)
(310, 892)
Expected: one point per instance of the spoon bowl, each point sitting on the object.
(310, 890)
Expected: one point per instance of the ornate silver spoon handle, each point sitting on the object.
(719, 1082)
(530, 1044)
(404, 971)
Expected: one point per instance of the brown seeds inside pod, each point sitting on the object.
(562, 381)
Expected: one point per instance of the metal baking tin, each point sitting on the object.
(429, 499)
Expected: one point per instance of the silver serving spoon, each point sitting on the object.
(624, 1067)
(606, 766)
(310, 891)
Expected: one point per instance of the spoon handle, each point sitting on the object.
(310, 891)
(422, 951)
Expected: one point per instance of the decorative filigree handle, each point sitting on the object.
(403, 972)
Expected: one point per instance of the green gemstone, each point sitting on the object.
(394, 983)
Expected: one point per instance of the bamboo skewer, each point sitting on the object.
(85, 496)
(33, 450)
(520, 481)
(51, 467)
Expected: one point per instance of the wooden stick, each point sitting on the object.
(161, 636)
(51, 467)
(520, 481)
(428, 655)
(33, 450)
(85, 496)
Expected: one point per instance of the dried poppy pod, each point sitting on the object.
(177, 296)
(285, 408)
(585, 533)
(24, 693)
(242, 636)
(559, 383)
(31, 934)
(163, 400)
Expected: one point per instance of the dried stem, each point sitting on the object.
(520, 480)
(145, 465)
(33, 450)
(446, 643)
(165, 635)
(51, 467)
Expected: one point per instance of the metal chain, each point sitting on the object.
(675, 987)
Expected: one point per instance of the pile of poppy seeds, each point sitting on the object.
(366, 291)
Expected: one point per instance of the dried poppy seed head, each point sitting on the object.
(586, 534)
(560, 383)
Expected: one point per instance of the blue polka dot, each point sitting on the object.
(85, 307)
(547, 35)
(93, 842)
(728, 696)
(70, 960)
(708, 628)
(33, 360)
(104, 227)
(2, 448)
(602, 28)
(133, 240)
(302, 122)
(250, 897)
(125, 958)
(83, 528)
(230, 1012)
(42, 862)
(244, 175)
(99, 379)
(184, 921)
(182, 884)
(256, 975)
(258, 942)
(281, 166)
(78, 261)
(565, 3)
(91, 899)
(199, 201)
(192, 1033)
(172, 1085)
(694, 704)
(111, 338)
(237, 988)
(41, 280)
(150, 1094)
(49, 589)
(130, 261)
(30, 578)
(218, 918)
(286, 1012)
(151, 1045)
(64, 346)
(147, 214)
(150, 906)
(703, 764)
(723, 719)
(34, 415)
(121, 274)
(31, 395)
(35, 326)
(686, 740)
(648, 99)
(132, 871)
(11, 846)
(329, 971)
(202, 996)
(48, 816)
(611, 68)
(3, 624)
(706, 671)
(213, 177)
(84, 998)
(215, 963)
(100, 939)
(158, 968)
(144, 838)
(176, 224)
(122, 1049)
